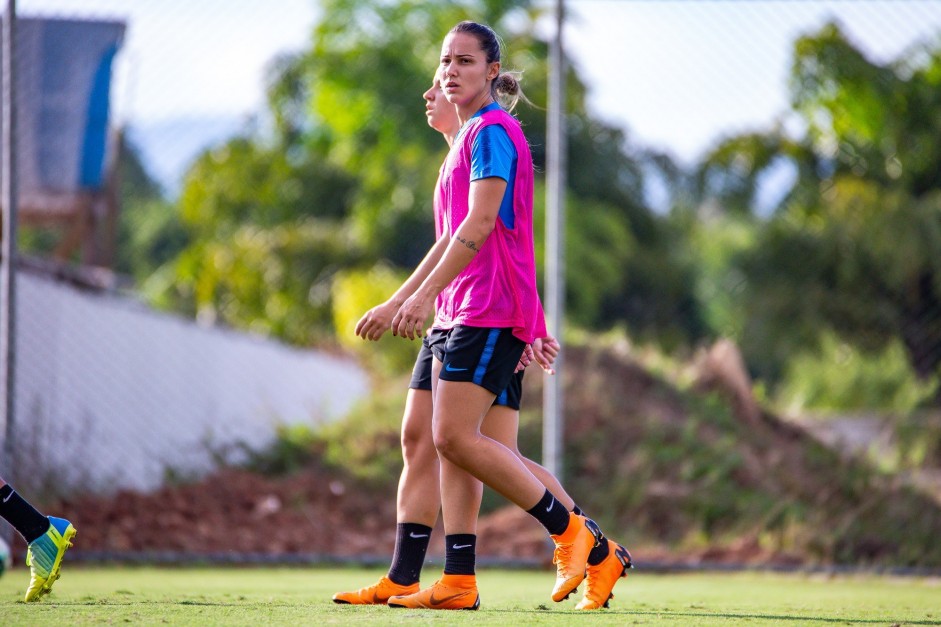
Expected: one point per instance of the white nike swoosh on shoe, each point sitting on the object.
(461, 546)
(417, 535)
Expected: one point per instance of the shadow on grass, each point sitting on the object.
(786, 618)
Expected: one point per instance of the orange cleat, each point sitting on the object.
(374, 595)
(451, 592)
(571, 555)
(601, 578)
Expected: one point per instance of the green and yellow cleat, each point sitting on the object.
(44, 557)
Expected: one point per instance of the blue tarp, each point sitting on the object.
(63, 79)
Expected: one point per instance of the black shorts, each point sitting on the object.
(490, 355)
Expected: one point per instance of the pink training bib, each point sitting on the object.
(498, 288)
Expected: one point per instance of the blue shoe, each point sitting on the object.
(44, 556)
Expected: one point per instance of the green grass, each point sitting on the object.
(256, 596)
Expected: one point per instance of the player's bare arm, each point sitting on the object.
(378, 320)
(485, 197)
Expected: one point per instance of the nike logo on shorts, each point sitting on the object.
(450, 368)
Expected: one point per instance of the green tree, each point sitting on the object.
(267, 235)
(150, 231)
(853, 247)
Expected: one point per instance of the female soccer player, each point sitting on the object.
(418, 496)
(480, 280)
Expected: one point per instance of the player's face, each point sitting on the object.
(442, 116)
(464, 71)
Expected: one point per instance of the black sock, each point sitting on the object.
(411, 543)
(460, 554)
(577, 510)
(23, 516)
(600, 551)
(551, 514)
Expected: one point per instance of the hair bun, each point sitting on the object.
(506, 84)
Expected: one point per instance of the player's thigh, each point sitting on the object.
(479, 364)
(459, 409)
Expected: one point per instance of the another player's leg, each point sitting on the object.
(418, 500)
(602, 573)
(457, 588)
(47, 539)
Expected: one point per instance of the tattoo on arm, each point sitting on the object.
(470, 244)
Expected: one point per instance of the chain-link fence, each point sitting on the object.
(110, 393)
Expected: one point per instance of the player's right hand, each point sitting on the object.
(376, 321)
(525, 359)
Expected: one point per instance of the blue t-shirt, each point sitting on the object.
(493, 155)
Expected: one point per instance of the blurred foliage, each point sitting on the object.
(919, 441)
(354, 293)
(150, 230)
(852, 247)
(654, 463)
(841, 377)
(349, 159)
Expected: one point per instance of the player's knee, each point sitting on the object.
(417, 443)
(449, 443)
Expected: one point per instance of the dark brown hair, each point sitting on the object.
(505, 88)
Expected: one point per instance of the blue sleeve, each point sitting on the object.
(492, 154)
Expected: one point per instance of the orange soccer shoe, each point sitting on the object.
(377, 594)
(451, 592)
(571, 555)
(602, 577)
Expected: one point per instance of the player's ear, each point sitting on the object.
(494, 71)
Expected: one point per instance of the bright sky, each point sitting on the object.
(679, 74)
(676, 74)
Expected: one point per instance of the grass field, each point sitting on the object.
(254, 596)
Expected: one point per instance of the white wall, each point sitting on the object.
(112, 393)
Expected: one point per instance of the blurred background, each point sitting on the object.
(753, 267)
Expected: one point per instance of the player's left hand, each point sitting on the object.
(545, 350)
